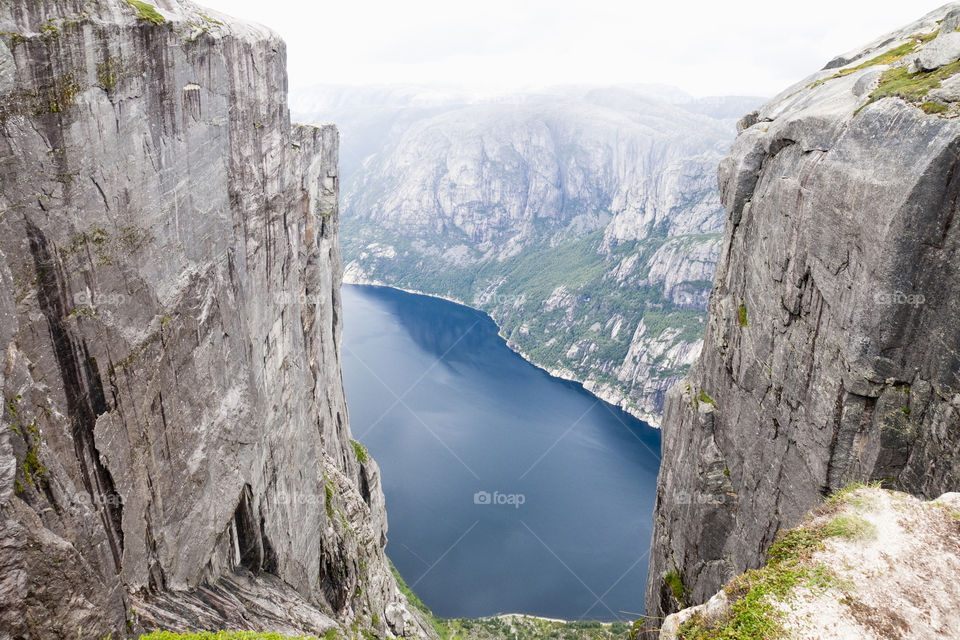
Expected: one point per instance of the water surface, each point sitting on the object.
(458, 423)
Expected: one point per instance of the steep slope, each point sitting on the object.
(586, 222)
(175, 448)
(868, 565)
(832, 351)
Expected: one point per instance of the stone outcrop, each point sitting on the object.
(832, 347)
(175, 448)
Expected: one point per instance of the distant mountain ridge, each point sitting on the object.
(585, 220)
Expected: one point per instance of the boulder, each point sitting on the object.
(941, 51)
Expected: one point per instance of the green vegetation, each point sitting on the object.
(360, 451)
(931, 108)
(440, 626)
(512, 627)
(107, 74)
(888, 57)
(912, 87)
(754, 613)
(62, 95)
(850, 495)
(224, 635)
(146, 11)
(742, 312)
(587, 305)
(328, 489)
(30, 466)
(207, 18)
(674, 581)
(15, 38)
(706, 399)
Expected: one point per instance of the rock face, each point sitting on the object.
(587, 223)
(175, 446)
(832, 351)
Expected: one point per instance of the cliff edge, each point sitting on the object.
(175, 449)
(868, 564)
(832, 349)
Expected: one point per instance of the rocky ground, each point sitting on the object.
(869, 564)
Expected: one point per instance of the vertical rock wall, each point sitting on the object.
(832, 351)
(174, 421)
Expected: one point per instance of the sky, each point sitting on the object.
(716, 47)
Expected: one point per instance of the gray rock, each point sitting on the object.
(176, 444)
(948, 91)
(940, 51)
(951, 22)
(832, 344)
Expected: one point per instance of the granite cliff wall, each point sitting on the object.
(832, 350)
(175, 448)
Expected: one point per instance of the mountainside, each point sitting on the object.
(175, 450)
(832, 349)
(585, 221)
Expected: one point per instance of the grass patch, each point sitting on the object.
(706, 399)
(912, 87)
(328, 494)
(931, 108)
(756, 594)
(849, 527)
(742, 313)
(146, 11)
(674, 581)
(888, 57)
(848, 495)
(360, 451)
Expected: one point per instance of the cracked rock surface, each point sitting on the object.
(832, 349)
(175, 447)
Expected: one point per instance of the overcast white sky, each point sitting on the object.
(705, 47)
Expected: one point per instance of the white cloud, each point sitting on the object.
(733, 47)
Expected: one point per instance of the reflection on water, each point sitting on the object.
(508, 490)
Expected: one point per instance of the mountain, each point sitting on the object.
(585, 220)
(175, 449)
(832, 348)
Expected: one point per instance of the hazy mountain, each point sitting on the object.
(585, 220)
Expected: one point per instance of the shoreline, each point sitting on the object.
(616, 399)
(514, 616)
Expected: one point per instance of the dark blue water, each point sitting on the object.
(508, 490)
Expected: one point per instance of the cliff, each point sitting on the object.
(175, 448)
(832, 348)
(585, 221)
